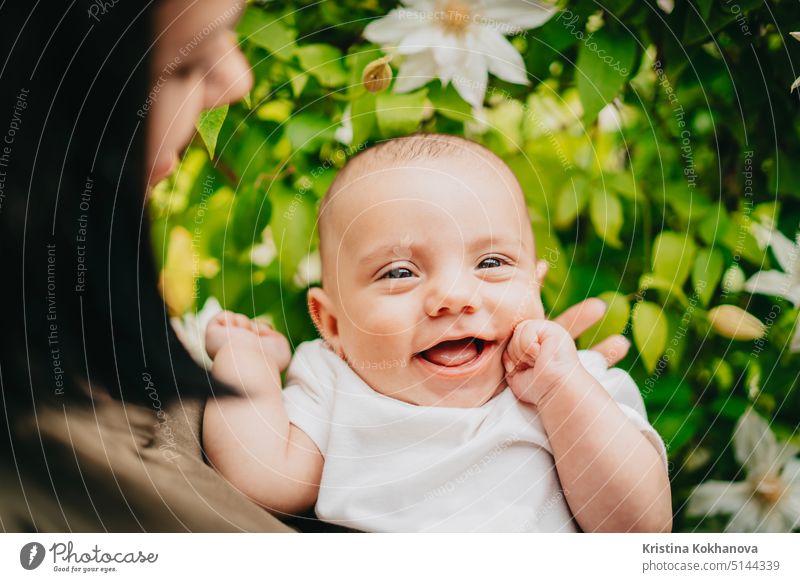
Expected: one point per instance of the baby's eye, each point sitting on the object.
(492, 263)
(397, 273)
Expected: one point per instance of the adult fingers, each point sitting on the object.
(613, 348)
(581, 316)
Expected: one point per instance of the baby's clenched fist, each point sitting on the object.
(540, 357)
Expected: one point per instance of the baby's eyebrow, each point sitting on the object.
(403, 250)
(399, 250)
(501, 240)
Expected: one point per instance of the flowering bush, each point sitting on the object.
(656, 143)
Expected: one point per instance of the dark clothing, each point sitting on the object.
(117, 467)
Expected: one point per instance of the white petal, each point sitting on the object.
(787, 253)
(745, 520)
(421, 5)
(790, 507)
(392, 28)
(754, 445)
(210, 309)
(414, 72)
(344, 133)
(191, 330)
(795, 85)
(478, 125)
(794, 347)
(791, 473)
(423, 39)
(713, 497)
(770, 283)
(503, 59)
(761, 231)
(511, 16)
(451, 57)
(772, 521)
(471, 82)
(309, 270)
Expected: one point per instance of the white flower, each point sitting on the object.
(784, 284)
(458, 40)
(344, 133)
(768, 500)
(263, 253)
(309, 270)
(191, 330)
(796, 83)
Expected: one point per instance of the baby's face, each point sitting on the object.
(430, 267)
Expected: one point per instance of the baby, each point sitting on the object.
(440, 398)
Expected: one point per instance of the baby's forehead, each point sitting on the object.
(479, 180)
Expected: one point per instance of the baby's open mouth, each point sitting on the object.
(454, 353)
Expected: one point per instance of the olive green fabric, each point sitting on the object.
(109, 466)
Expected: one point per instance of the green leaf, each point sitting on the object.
(673, 255)
(277, 110)
(708, 267)
(676, 428)
(308, 131)
(623, 184)
(605, 59)
(705, 8)
(651, 281)
(269, 31)
(605, 212)
(731, 232)
(298, 80)
(251, 215)
(718, 16)
(783, 174)
(678, 326)
(449, 103)
(208, 126)
(614, 321)
(293, 219)
(571, 201)
(362, 116)
(324, 62)
(689, 204)
(400, 114)
(650, 332)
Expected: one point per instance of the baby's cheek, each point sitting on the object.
(384, 322)
(521, 301)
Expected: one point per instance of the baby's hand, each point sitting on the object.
(540, 356)
(246, 334)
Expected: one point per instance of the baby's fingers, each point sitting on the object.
(223, 318)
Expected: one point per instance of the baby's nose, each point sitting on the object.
(452, 297)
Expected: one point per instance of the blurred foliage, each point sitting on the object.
(641, 187)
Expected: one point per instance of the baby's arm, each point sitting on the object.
(248, 438)
(613, 477)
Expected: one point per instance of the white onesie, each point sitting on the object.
(391, 466)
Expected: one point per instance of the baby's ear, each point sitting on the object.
(322, 312)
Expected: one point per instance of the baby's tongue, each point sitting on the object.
(452, 353)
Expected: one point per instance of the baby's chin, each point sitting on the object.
(426, 389)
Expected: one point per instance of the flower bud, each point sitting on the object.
(733, 280)
(735, 323)
(377, 75)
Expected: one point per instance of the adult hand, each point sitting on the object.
(581, 316)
